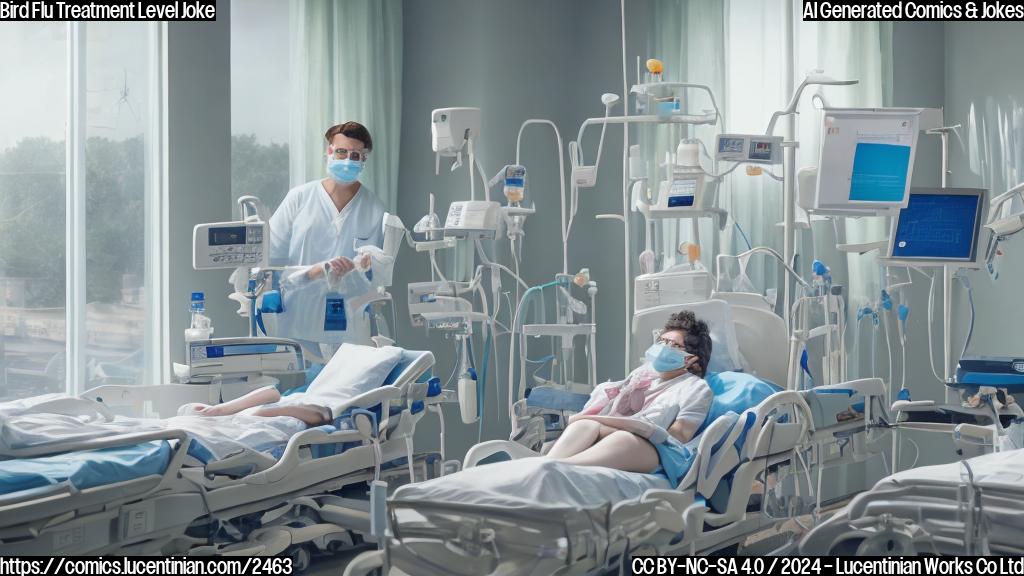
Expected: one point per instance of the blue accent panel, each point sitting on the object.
(334, 315)
(990, 379)
(680, 201)
(879, 172)
(416, 407)
(85, 469)
(434, 387)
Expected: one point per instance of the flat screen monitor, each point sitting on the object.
(867, 159)
(938, 225)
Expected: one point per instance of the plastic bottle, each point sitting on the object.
(200, 326)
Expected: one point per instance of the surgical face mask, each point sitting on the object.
(664, 358)
(345, 170)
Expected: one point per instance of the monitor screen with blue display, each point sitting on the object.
(938, 224)
(879, 172)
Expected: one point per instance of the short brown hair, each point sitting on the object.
(698, 336)
(353, 130)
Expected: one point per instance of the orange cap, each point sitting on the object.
(655, 66)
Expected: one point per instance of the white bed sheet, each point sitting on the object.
(222, 436)
(533, 483)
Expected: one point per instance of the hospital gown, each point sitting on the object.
(684, 398)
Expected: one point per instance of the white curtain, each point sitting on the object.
(346, 64)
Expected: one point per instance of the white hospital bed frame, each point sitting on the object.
(660, 521)
(159, 514)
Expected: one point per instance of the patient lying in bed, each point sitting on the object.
(620, 424)
(353, 370)
(263, 402)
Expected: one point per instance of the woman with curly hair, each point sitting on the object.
(645, 420)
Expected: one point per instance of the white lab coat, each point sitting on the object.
(307, 229)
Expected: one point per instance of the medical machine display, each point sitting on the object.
(867, 158)
(940, 224)
(472, 218)
(752, 148)
(226, 245)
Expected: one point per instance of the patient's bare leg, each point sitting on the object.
(620, 450)
(577, 437)
(265, 395)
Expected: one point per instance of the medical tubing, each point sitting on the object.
(743, 234)
(931, 320)
(512, 344)
(437, 270)
(503, 268)
(481, 404)
(561, 181)
(970, 299)
(888, 349)
(483, 178)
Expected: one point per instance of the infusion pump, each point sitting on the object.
(226, 245)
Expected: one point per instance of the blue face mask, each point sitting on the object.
(666, 358)
(345, 170)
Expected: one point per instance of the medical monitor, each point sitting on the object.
(939, 226)
(867, 159)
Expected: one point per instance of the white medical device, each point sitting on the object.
(867, 159)
(683, 191)
(450, 128)
(473, 218)
(681, 287)
(242, 364)
(228, 245)
(938, 227)
(749, 148)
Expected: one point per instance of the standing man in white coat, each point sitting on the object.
(317, 231)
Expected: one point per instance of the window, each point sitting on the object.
(33, 82)
(259, 100)
(117, 110)
(102, 329)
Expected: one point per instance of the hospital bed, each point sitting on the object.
(158, 491)
(534, 516)
(969, 507)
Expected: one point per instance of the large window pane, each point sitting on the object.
(259, 99)
(117, 73)
(33, 86)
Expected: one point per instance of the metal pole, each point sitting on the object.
(789, 167)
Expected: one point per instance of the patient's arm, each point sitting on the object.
(265, 395)
(310, 414)
(683, 430)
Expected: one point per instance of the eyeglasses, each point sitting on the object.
(671, 344)
(343, 153)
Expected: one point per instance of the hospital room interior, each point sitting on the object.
(510, 286)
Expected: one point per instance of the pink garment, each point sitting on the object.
(629, 398)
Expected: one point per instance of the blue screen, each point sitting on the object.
(879, 172)
(936, 226)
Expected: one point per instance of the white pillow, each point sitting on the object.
(353, 370)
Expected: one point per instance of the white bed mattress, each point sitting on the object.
(1002, 471)
(533, 483)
